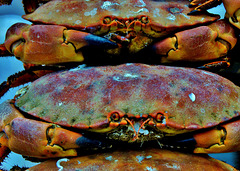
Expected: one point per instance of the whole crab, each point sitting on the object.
(66, 113)
(118, 30)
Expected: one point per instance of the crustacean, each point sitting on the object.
(64, 113)
(151, 159)
(120, 28)
(123, 31)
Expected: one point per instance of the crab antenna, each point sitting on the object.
(136, 136)
(142, 125)
(26, 76)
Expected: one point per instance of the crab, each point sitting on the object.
(64, 28)
(65, 113)
(136, 160)
(122, 36)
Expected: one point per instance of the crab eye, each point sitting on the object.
(107, 20)
(115, 116)
(160, 117)
(144, 20)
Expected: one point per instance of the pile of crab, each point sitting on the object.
(122, 107)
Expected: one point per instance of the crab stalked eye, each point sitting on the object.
(115, 116)
(144, 19)
(107, 20)
(160, 117)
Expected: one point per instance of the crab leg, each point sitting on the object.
(231, 6)
(30, 74)
(50, 44)
(37, 138)
(198, 44)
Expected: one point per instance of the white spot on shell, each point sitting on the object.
(107, 5)
(92, 12)
(171, 17)
(142, 4)
(172, 166)
(109, 158)
(192, 97)
(148, 157)
(150, 168)
(140, 158)
(130, 75)
(142, 10)
(78, 22)
(59, 163)
(57, 10)
(60, 103)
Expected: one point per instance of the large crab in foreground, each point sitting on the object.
(69, 32)
(63, 114)
(122, 31)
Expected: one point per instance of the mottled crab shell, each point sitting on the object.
(89, 15)
(151, 159)
(191, 99)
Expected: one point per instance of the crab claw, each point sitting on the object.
(50, 44)
(223, 139)
(39, 139)
(233, 11)
(198, 44)
(231, 6)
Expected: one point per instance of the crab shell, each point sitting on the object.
(191, 99)
(100, 16)
(150, 159)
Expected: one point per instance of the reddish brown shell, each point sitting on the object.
(152, 159)
(191, 98)
(82, 14)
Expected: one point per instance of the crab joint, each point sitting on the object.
(225, 139)
(40, 139)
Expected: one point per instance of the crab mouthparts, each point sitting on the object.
(139, 127)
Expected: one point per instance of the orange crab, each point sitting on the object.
(62, 114)
(125, 36)
(64, 28)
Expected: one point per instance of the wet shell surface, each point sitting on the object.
(151, 159)
(94, 14)
(191, 99)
